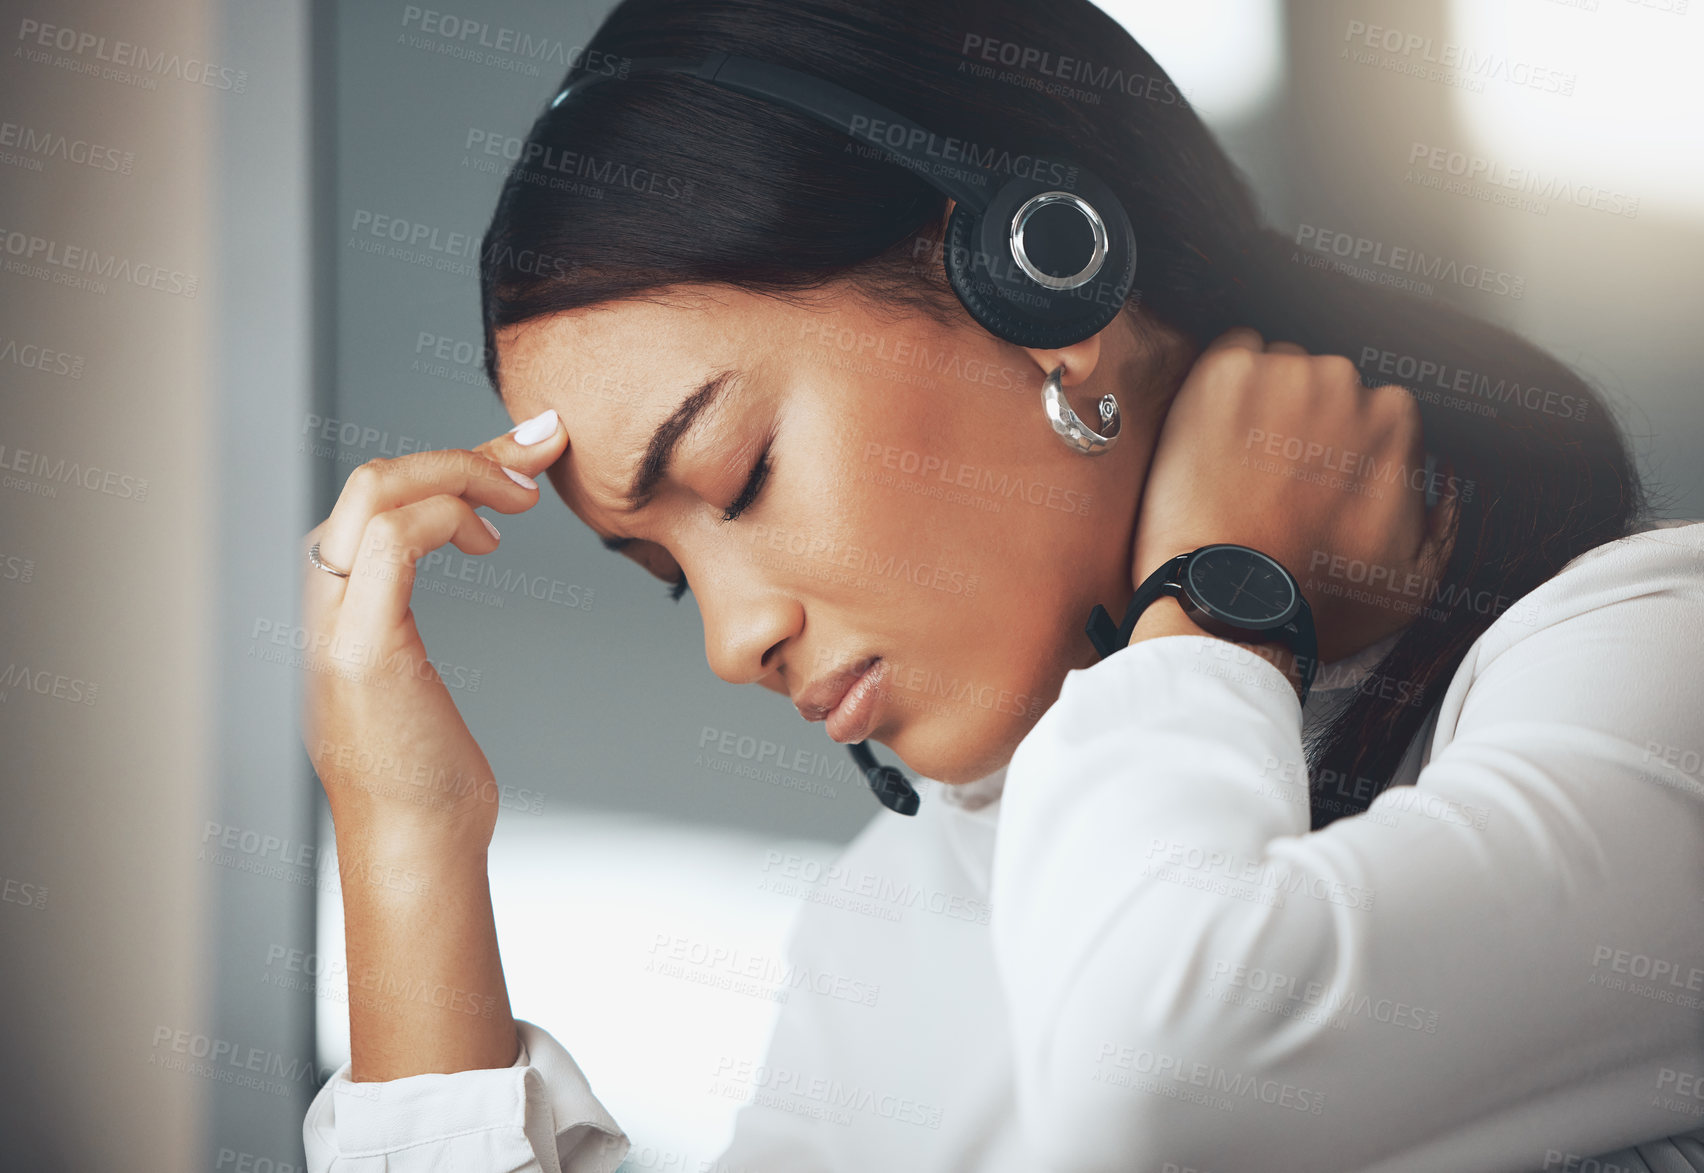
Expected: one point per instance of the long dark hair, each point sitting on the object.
(633, 187)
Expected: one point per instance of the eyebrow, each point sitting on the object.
(655, 466)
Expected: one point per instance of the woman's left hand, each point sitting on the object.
(1289, 453)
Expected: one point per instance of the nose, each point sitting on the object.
(745, 627)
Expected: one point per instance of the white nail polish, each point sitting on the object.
(541, 427)
(489, 526)
(520, 478)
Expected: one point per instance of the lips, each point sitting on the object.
(819, 699)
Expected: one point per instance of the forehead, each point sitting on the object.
(616, 371)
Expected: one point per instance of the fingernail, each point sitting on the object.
(520, 478)
(489, 526)
(541, 427)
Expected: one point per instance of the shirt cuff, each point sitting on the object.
(479, 1119)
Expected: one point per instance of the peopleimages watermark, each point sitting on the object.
(1679, 1091)
(1683, 767)
(822, 556)
(1557, 1161)
(840, 886)
(347, 438)
(288, 968)
(1521, 188)
(230, 1062)
(42, 682)
(35, 357)
(1335, 790)
(1057, 74)
(36, 145)
(748, 756)
(1450, 64)
(23, 892)
(1405, 268)
(81, 267)
(1678, 982)
(1354, 466)
(423, 783)
(295, 646)
(43, 474)
(479, 42)
(708, 963)
(1269, 881)
(1271, 991)
(274, 857)
(819, 1097)
(544, 165)
(443, 571)
(1424, 376)
(121, 61)
(1397, 587)
(970, 484)
(1123, 1066)
(910, 684)
(858, 343)
(16, 568)
(948, 155)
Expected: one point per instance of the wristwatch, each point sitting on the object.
(1234, 592)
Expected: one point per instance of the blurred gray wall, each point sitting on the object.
(156, 850)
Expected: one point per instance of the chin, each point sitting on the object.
(955, 752)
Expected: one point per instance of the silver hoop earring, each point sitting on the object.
(1073, 430)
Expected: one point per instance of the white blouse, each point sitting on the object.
(1126, 951)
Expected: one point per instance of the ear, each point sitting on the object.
(1078, 359)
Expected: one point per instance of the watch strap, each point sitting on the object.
(1109, 637)
(1305, 645)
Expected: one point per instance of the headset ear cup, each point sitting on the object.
(978, 294)
(967, 257)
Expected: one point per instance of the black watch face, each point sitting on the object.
(1241, 586)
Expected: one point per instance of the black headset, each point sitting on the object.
(1038, 250)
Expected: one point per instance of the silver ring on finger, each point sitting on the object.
(321, 564)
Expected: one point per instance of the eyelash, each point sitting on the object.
(753, 486)
(748, 495)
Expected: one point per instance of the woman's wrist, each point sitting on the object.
(426, 986)
(1166, 616)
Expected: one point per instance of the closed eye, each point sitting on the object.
(753, 486)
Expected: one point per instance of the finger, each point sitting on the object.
(1285, 348)
(531, 446)
(381, 485)
(381, 581)
(321, 590)
(1238, 336)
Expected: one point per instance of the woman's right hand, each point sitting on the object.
(397, 761)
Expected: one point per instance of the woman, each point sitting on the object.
(1389, 901)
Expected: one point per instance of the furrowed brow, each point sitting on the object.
(655, 465)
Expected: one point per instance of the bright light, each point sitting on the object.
(1631, 124)
(590, 907)
(1226, 55)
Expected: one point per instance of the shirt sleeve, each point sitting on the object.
(1497, 966)
(537, 1115)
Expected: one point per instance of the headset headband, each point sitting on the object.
(898, 137)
